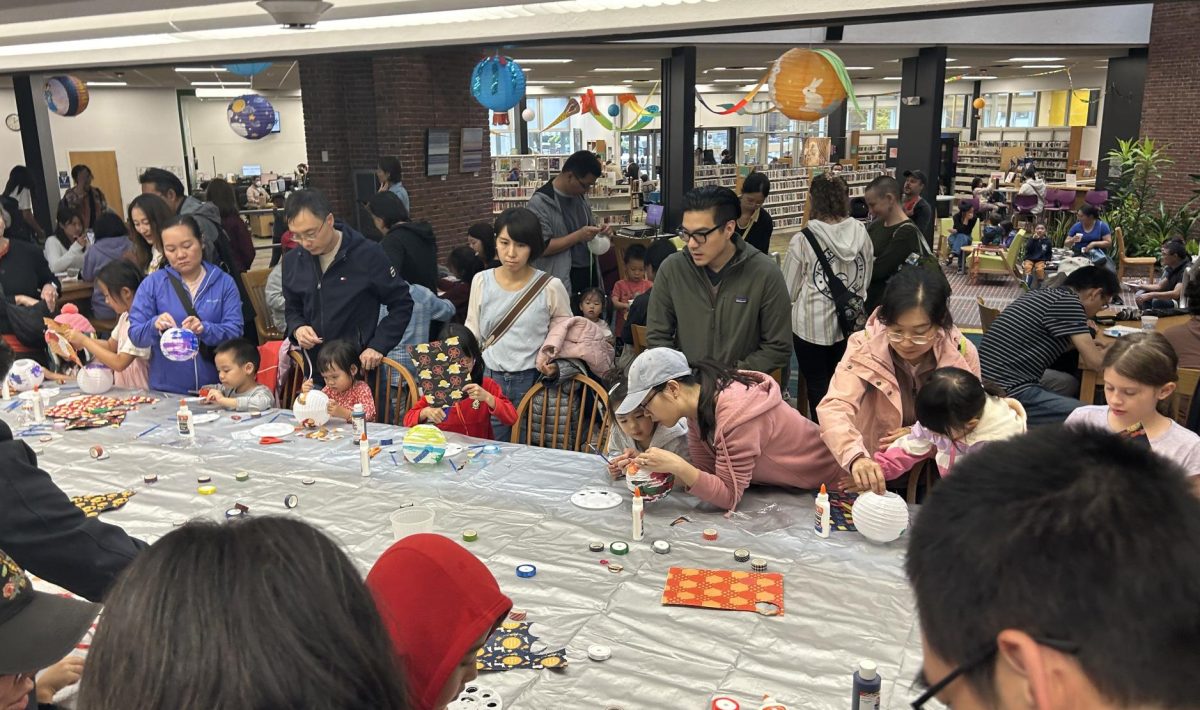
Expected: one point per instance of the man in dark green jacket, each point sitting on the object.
(893, 235)
(720, 297)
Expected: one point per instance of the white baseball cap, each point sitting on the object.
(652, 368)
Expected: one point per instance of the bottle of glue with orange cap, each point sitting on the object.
(639, 514)
(770, 703)
(822, 513)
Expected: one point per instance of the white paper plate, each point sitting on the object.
(48, 393)
(276, 429)
(206, 417)
(596, 499)
(452, 450)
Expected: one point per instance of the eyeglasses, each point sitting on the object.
(983, 657)
(309, 236)
(700, 236)
(895, 337)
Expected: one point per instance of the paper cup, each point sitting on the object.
(410, 521)
(1149, 322)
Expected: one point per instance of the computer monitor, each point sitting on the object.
(654, 215)
(277, 186)
(275, 127)
(251, 170)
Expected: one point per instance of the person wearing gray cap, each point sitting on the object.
(36, 631)
(740, 431)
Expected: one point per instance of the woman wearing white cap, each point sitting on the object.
(740, 431)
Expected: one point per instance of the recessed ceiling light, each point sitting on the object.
(624, 69)
(892, 78)
(543, 61)
(951, 59)
(108, 83)
(979, 77)
(738, 69)
(220, 83)
(732, 81)
(206, 70)
(859, 68)
(547, 82)
(526, 68)
(1036, 59)
(1043, 66)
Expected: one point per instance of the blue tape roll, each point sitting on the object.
(526, 571)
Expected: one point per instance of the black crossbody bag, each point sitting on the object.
(848, 306)
(206, 351)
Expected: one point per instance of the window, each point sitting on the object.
(995, 111)
(1023, 109)
(860, 120)
(887, 112)
(954, 110)
(503, 142)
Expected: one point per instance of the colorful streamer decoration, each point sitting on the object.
(728, 109)
(572, 108)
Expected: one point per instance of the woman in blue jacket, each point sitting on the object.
(157, 307)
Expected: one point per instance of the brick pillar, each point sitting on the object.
(1172, 93)
(361, 108)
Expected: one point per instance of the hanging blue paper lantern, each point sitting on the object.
(498, 83)
(247, 68)
(66, 95)
(251, 116)
(614, 110)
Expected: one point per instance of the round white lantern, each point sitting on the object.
(599, 245)
(880, 518)
(311, 408)
(95, 378)
(25, 375)
(527, 115)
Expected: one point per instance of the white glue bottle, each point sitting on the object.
(184, 418)
(866, 687)
(639, 515)
(37, 407)
(364, 455)
(822, 513)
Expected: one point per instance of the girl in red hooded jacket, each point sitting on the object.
(439, 604)
(485, 399)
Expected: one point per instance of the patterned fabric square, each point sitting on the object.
(511, 646)
(840, 505)
(96, 503)
(442, 371)
(723, 589)
(96, 410)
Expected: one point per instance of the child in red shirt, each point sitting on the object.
(633, 285)
(338, 362)
(471, 416)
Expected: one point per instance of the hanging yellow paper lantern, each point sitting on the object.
(805, 85)
(979, 103)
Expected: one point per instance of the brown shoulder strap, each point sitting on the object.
(517, 309)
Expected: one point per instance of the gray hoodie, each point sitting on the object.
(208, 217)
(1035, 186)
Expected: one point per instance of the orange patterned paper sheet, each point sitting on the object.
(723, 589)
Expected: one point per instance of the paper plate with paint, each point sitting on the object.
(424, 443)
(179, 344)
(596, 499)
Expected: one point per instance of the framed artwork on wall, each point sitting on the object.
(471, 151)
(437, 151)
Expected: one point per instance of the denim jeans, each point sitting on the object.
(1045, 407)
(514, 385)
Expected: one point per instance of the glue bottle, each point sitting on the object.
(639, 514)
(37, 407)
(184, 418)
(359, 416)
(364, 453)
(866, 687)
(822, 513)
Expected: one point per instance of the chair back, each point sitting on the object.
(1059, 199)
(256, 288)
(392, 401)
(639, 338)
(572, 416)
(1096, 198)
(291, 386)
(987, 314)
(1014, 250)
(1185, 389)
(1118, 244)
(1024, 203)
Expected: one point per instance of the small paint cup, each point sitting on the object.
(410, 521)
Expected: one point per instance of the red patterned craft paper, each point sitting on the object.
(722, 589)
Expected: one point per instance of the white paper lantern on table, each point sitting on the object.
(25, 375)
(311, 408)
(95, 378)
(880, 518)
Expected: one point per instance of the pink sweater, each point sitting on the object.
(758, 439)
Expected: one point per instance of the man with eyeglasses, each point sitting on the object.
(568, 224)
(720, 297)
(335, 284)
(1058, 570)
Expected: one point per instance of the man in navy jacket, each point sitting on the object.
(334, 286)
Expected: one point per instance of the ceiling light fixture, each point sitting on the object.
(1036, 59)
(1043, 66)
(199, 70)
(547, 82)
(295, 14)
(221, 83)
(733, 81)
(543, 61)
(623, 69)
(976, 77)
(736, 69)
(108, 83)
(859, 68)
(892, 78)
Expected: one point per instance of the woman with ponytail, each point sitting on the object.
(740, 431)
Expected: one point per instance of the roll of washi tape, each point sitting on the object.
(758, 565)
(517, 614)
(619, 548)
(741, 554)
(599, 652)
(242, 507)
(291, 500)
(150, 478)
(233, 513)
(596, 546)
(470, 535)
(662, 547)
(526, 571)
(725, 703)
(206, 490)
(98, 453)
(203, 479)
(709, 533)
(615, 567)
(242, 476)
(308, 481)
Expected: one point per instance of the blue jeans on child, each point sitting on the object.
(514, 385)
(957, 241)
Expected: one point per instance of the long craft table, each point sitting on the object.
(845, 598)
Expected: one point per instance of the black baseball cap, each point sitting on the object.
(36, 629)
(918, 174)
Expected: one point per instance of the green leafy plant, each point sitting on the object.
(1133, 205)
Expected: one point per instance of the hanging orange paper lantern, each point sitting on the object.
(805, 86)
(979, 103)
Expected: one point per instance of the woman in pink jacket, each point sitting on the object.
(872, 397)
(740, 431)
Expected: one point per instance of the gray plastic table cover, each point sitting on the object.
(845, 599)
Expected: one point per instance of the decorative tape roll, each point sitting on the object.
(758, 565)
(291, 500)
(662, 547)
(233, 513)
(619, 548)
(615, 567)
(98, 453)
(526, 571)
(242, 476)
(150, 478)
(242, 507)
(599, 652)
(709, 533)
(596, 546)
(517, 614)
(741, 554)
(203, 479)
(206, 490)
(309, 481)
(725, 703)
(470, 535)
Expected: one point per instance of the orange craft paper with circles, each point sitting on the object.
(804, 85)
(722, 589)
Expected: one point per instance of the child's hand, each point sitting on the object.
(433, 415)
(307, 386)
(479, 394)
(661, 460)
(76, 339)
(617, 464)
(339, 412)
(212, 396)
(892, 435)
(58, 676)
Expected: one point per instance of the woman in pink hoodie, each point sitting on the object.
(872, 397)
(740, 431)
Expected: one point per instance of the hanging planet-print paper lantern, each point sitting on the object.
(251, 116)
(498, 83)
(805, 85)
(247, 68)
(66, 95)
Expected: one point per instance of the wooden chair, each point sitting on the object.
(1136, 262)
(987, 314)
(1185, 388)
(392, 402)
(559, 428)
(639, 338)
(291, 386)
(989, 260)
(256, 288)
